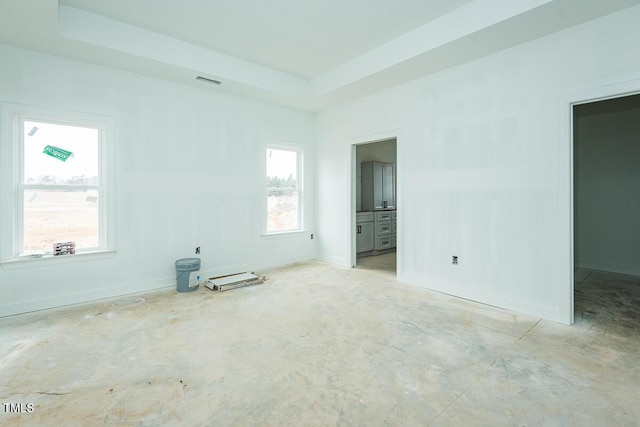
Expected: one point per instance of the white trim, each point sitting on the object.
(300, 187)
(351, 203)
(277, 234)
(155, 284)
(8, 181)
(482, 297)
(334, 260)
(12, 117)
(93, 296)
(353, 167)
(264, 265)
(610, 268)
(602, 93)
(31, 261)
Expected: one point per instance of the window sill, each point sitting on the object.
(277, 234)
(27, 261)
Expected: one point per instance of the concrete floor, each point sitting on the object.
(322, 345)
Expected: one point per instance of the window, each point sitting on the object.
(59, 183)
(284, 190)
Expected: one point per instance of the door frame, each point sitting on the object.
(603, 93)
(369, 139)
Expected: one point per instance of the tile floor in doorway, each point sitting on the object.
(385, 262)
(323, 345)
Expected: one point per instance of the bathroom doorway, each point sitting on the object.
(375, 205)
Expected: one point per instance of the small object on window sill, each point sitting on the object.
(64, 248)
(37, 255)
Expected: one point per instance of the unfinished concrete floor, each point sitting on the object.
(322, 345)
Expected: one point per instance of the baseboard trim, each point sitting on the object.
(85, 297)
(334, 260)
(241, 268)
(133, 288)
(483, 298)
(610, 269)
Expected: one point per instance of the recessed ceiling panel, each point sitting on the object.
(299, 37)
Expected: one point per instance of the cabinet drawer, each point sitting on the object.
(383, 227)
(384, 242)
(364, 217)
(394, 226)
(383, 216)
(394, 215)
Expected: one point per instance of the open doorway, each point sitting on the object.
(376, 204)
(606, 206)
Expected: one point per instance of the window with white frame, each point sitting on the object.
(59, 176)
(284, 189)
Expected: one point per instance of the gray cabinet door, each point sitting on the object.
(388, 186)
(365, 237)
(378, 186)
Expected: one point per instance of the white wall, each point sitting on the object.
(484, 166)
(608, 208)
(383, 151)
(189, 170)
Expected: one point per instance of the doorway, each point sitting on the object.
(375, 205)
(606, 211)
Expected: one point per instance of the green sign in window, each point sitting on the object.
(56, 152)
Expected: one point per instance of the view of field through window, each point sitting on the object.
(60, 194)
(283, 208)
(60, 216)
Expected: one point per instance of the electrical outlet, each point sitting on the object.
(454, 260)
(197, 250)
